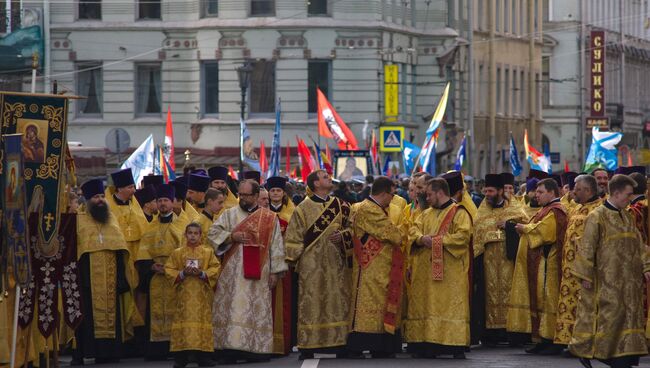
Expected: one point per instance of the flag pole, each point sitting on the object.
(14, 335)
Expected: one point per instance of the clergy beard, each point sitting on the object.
(245, 206)
(422, 201)
(98, 211)
(493, 201)
(533, 203)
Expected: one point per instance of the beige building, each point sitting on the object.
(506, 79)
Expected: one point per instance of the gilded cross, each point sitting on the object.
(48, 221)
(499, 233)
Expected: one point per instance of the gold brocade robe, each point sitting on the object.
(242, 314)
(281, 310)
(322, 316)
(102, 242)
(192, 322)
(530, 211)
(521, 311)
(469, 205)
(611, 256)
(206, 222)
(491, 242)
(371, 269)
(130, 218)
(570, 285)
(399, 202)
(230, 201)
(158, 243)
(438, 311)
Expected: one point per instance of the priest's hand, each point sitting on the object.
(158, 268)
(647, 277)
(426, 241)
(501, 225)
(519, 228)
(336, 238)
(273, 280)
(240, 237)
(587, 285)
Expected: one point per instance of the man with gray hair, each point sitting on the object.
(586, 199)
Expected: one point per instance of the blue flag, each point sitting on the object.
(274, 163)
(410, 152)
(547, 154)
(515, 164)
(603, 152)
(460, 156)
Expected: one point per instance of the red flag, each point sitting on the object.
(288, 167)
(232, 173)
(264, 164)
(566, 166)
(629, 158)
(373, 149)
(307, 162)
(330, 124)
(168, 146)
(328, 153)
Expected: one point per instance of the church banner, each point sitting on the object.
(14, 209)
(42, 121)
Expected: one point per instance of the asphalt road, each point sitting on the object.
(479, 358)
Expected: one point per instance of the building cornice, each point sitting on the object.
(250, 23)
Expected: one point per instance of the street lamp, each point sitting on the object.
(244, 74)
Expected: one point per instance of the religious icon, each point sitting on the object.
(34, 138)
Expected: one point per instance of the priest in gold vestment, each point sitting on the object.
(193, 271)
(127, 210)
(250, 240)
(163, 235)
(536, 280)
(284, 300)
(197, 184)
(438, 311)
(146, 197)
(219, 180)
(107, 272)
(586, 199)
(612, 263)
(319, 245)
(377, 275)
(498, 259)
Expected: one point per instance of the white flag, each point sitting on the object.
(141, 160)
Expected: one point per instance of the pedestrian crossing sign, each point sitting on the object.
(392, 138)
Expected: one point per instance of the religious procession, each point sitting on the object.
(396, 227)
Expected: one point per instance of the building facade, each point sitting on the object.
(567, 76)
(134, 61)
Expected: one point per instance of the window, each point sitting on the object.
(483, 85)
(506, 92)
(499, 98)
(318, 74)
(262, 89)
(497, 19)
(149, 9)
(209, 88)
(513, 16)
(209, 8)
(90, 9)
(523, 101)
(506, 16)
(546, 82)
(515, 93)
(317, 7)
(148, 90)
(262, 8)
(89, 85)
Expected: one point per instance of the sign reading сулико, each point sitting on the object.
(597, 67)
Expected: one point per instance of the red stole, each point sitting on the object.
(437, 250)
(259, 229)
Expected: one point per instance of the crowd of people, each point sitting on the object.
(206, 270)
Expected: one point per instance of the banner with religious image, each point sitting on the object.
(42, 121)
(14, 223)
